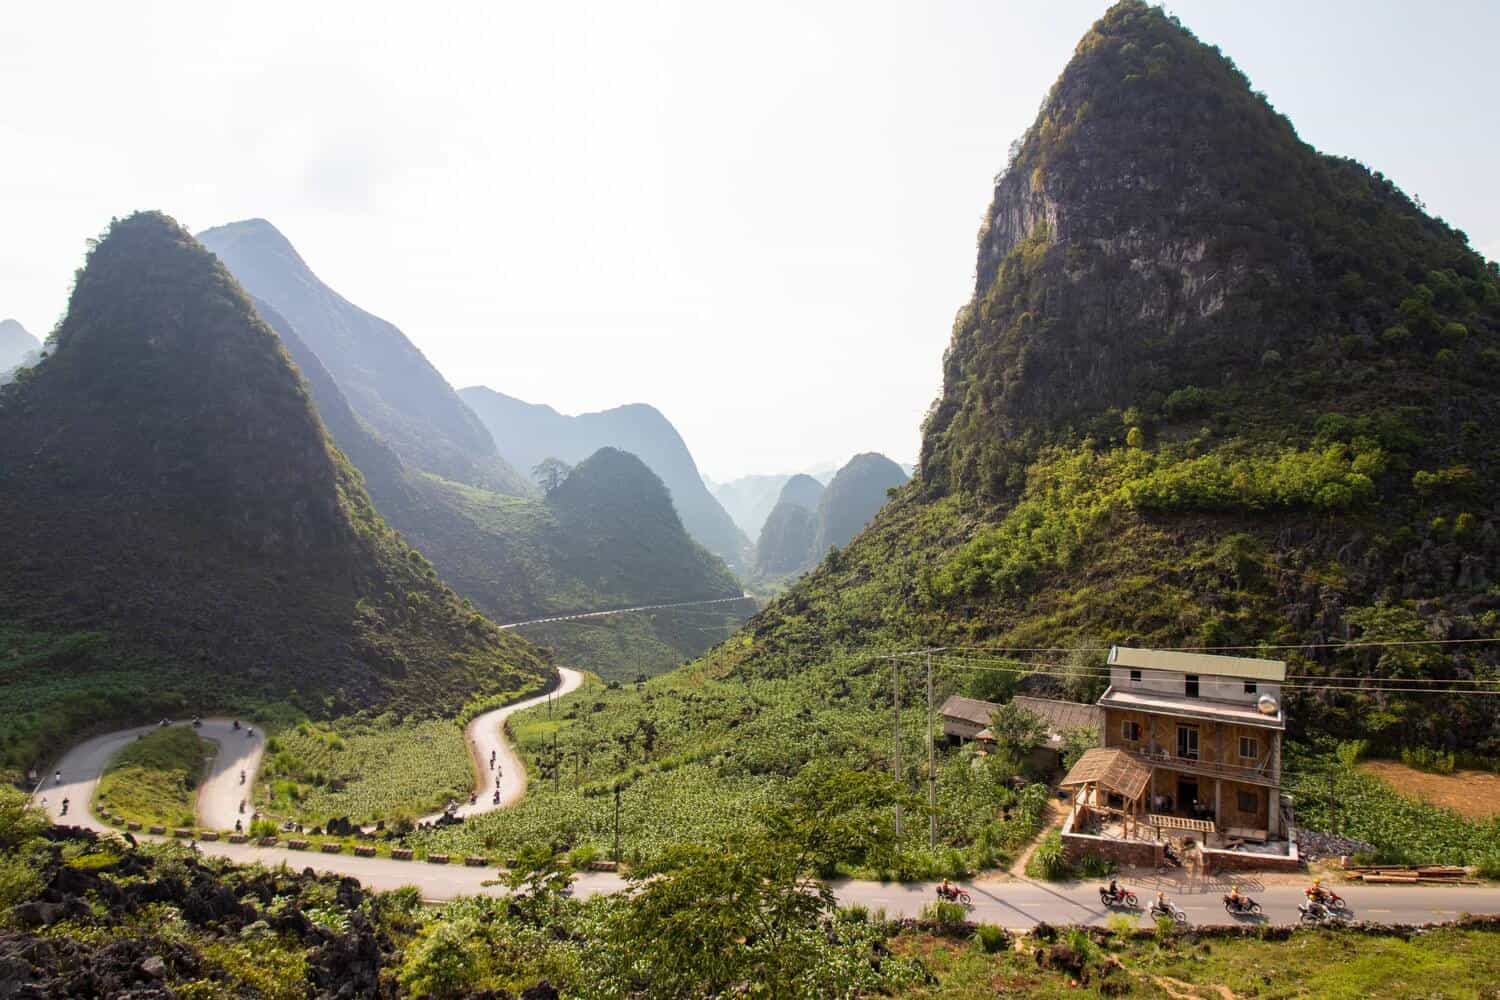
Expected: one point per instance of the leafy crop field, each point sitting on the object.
(695, 757)
(1404, 830)
(365, 770)
(155, 779)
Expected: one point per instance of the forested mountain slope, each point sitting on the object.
(1213, 388)
(176, 524)
(387, 381)
(606, 537)
(527, 433)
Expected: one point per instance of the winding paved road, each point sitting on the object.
(486, 739)
(1013, 903)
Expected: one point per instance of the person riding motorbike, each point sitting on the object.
(64, 807)
(1235, 899)
(242, 776)
(945, 889)
(1316, 893)
(1114, 888)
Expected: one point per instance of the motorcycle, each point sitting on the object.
(954, 894)
(1332, 901)
(1169, 909)
(1241, 906)
(1119, 897)
(1312, 912)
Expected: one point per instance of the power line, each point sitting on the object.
(1347, 644)
(1296, 686)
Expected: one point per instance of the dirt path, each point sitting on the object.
(1053, 819)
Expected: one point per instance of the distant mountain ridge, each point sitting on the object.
(17, 346)
(384, 377)
(809, 518)
(165, 480)
(749, 499)
(527, 433)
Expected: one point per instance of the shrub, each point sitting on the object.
(1094, 866)
(992, 938)
(1049, 861)
(1427, 759)
(945, 913)
(1489, 866)
(1120, 924)
(1187, 401)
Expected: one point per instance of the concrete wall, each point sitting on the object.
(1210, 687)
(1246, 861)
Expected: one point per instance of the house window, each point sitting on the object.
(1190, 685)
(1187, 742)
(1248, 802)
(1130, 731)
(1135, 677)
(1249, 748)
(1249, 687)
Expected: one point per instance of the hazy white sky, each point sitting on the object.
(759, 217)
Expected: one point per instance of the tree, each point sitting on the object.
(1016, 730)
(550, 473)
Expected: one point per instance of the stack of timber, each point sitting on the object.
(1410, 874)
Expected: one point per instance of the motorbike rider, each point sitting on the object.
(64, 807)
(242, 776)
(1316, 893)
(1234, 898)
(945, 889)
(1114, 887)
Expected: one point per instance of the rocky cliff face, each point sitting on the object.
(1159, 227)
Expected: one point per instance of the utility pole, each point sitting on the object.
(556, 764)
(617, 823)
(1333, 815)
(896, 735)
(931, 766)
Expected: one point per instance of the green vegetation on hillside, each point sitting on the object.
(155, 779)
(695, 755)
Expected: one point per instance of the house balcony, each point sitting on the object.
(1266, 772)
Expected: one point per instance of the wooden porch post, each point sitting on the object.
(1219, 803)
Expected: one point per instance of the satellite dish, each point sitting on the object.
(1266, 704)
